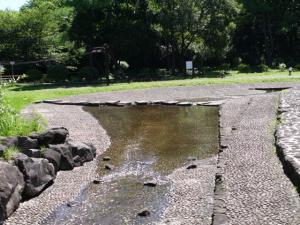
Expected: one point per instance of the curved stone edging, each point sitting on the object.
(251, 187)
(288, 135)
(134, 103)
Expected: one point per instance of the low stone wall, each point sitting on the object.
(134, 103)
(32, 163)
(288, 134)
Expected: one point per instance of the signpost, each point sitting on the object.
(1, 73)
(189, 65)
(12, 63)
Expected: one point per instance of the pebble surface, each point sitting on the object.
(256, 190)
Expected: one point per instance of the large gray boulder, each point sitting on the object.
(52, 136)
(20, 142)
(2, 150)
(33, 153)
(66, 162)
(38, 174)
(81, 152)
(53, 157)
(11, 188)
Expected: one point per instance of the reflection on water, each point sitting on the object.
(148, 143)
(162, 136)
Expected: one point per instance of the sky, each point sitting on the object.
(11, 4)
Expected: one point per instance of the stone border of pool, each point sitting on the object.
(134, 103)
(288, 135)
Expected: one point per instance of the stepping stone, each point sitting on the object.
(214, 103)
(185, 104)
(141, 103)
(52, 101)
(65, 103)
(123, 103)
(223, 146)
(94, 103)
(108, 167)
(106, 158)
(157, 102)
(169, 103)
(191, 158)
(190, 167)
(112, 103)
(144, 213)
(150, 184)
(201, 103)
(84, 103)
(96, 181)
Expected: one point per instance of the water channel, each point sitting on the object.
(147, 144)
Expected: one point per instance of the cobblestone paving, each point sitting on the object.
(256, 190)
(288, 133)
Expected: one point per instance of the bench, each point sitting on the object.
(9, 78)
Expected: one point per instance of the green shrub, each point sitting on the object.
(33, 75)
(89, 73)
(244, 68)
(124, 65)
(282, 66)
(10, 152)
(58, 72)
(2, 69)
(225, 67)
(297, 67)
(11, 123)
(262, 68)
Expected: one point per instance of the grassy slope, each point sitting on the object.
(19, 97)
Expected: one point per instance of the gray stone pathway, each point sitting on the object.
(255, 189)
(288, 133)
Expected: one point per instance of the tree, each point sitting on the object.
(187, 25)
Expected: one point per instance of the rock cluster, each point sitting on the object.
(33, 169)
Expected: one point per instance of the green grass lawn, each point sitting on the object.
(22, 95)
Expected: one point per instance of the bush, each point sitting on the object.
(297, 67)
(33, 75)
(244, 68)
(282, 66)
(262, 68)
(2, 69)
(124, 65)
(225, 67)
(11, 123)
(58, 72)
(10, 152)
(89, 73)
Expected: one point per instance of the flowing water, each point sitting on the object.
(148, 143)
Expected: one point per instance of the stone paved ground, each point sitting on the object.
(256, 191)
(178, 93)
(288, 133)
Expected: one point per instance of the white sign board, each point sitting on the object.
(12, 63)
(189, 65)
